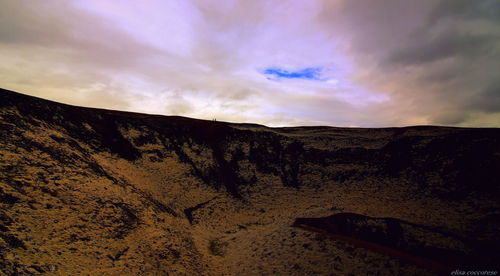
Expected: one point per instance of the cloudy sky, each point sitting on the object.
(279, 63)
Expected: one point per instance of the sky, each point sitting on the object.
(279, 63)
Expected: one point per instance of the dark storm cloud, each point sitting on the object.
(438, 60)
(455, 28)
(488, 99)
(467, 33)
(452, 44)
(466, 9)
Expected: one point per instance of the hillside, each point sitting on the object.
(88, 191)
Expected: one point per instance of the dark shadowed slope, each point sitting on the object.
(92, 191)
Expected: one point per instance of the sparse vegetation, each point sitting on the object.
(177, 196)
(217, 248)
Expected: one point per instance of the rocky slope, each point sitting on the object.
(97, 192)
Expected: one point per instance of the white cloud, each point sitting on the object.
(198, 59)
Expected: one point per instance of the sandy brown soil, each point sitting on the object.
(97, 192)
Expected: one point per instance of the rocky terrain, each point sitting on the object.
(98, 192)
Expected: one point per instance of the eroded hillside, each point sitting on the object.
(99, 192)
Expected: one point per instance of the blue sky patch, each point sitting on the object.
(309, 73)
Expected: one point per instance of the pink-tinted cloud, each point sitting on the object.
(381, 63)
